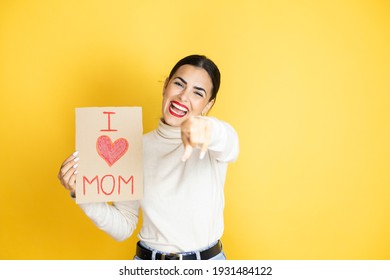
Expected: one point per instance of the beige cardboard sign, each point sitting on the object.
(109, 142)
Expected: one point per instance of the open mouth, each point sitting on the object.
(177, 109)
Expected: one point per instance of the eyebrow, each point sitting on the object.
(185, 82)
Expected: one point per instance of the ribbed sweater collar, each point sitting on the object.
(168, 133)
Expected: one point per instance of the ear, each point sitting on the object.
(165, 84)
(208, 107)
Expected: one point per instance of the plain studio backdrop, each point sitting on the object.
(305, 84)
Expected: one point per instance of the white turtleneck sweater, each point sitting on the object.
(183, 202)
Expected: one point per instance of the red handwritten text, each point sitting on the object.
(107, 184)
(109, 122)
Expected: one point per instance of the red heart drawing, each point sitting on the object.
(111, 152)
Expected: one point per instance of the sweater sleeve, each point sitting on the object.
(224, 145)
(119, 220)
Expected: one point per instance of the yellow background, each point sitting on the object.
(305, 83)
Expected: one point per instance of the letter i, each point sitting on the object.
(109, 122)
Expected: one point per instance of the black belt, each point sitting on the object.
(146, 254)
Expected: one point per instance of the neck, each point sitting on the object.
(168, 132)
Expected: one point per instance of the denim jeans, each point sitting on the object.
(220, 256)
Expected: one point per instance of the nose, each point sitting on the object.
(184, 94)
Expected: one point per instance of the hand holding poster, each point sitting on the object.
(109, 142)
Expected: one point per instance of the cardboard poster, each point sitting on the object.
(109, 141)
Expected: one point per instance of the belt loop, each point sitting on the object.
(154, 255)
(198, 255)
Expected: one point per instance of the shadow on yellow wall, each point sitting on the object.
(306, 85)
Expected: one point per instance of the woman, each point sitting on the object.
(185, 164)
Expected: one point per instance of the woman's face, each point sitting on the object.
(186, 94)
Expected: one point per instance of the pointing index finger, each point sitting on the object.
(187, 149)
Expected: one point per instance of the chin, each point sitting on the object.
(172, 121)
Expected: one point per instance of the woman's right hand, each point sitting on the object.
(67, 173)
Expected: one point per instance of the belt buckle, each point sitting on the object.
(171, 257)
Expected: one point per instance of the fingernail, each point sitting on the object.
(184, 158)
(75, 166)
(76, 159)
(202, 154)
(75, 153)
(76, 171)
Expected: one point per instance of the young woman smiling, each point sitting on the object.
(185, 165)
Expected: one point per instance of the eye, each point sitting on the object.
(178, 84)
(199, 93)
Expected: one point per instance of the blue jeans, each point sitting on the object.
(220, 256)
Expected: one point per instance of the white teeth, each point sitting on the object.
(177, 106)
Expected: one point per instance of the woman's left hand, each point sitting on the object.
(195, 133)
